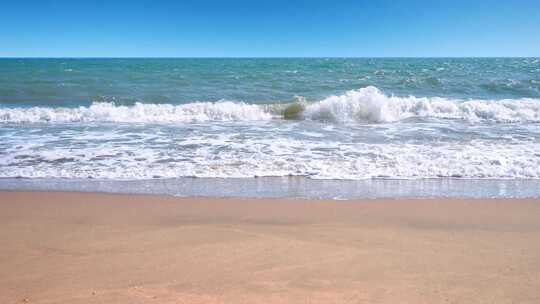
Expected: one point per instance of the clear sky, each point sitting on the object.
(277, 28)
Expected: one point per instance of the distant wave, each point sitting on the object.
(366, 105)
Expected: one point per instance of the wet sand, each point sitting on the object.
(106, 248)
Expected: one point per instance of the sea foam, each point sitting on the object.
(366, 105)
(152, 154)
(138, 113)
(371, 105)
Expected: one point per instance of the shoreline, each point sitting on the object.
(288, 187)
(225, 199)
(80, 247)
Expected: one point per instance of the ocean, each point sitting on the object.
(273, 127)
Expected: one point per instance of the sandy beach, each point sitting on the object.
(106, 248)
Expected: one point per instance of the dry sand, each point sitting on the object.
(104, 248)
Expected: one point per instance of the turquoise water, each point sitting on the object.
(73, 82)
(318, 119)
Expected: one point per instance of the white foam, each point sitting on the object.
(138, 113)
(371, 105)
(264, 153)
(366, 105)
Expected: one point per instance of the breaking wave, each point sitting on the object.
(366, 105)
(138, 113)
(371, 105)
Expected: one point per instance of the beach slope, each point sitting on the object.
(106, 248)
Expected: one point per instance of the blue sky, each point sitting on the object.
(277, 28)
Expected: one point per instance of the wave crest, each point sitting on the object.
(371, 105)
(138, 113)
(366, 105)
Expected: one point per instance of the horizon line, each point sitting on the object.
(256, 57)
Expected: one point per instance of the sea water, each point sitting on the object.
(342, 126)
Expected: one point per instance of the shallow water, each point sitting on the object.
(290, 187)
